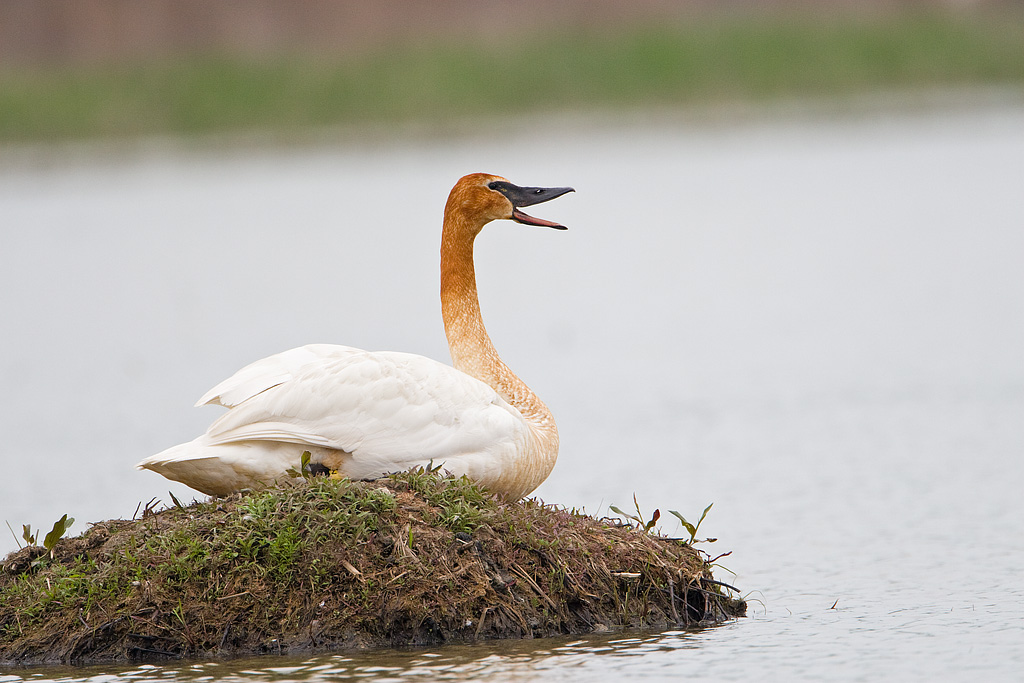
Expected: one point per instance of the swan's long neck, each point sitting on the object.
(470, 346)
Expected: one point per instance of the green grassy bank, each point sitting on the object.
(708, 60)
(327, 565)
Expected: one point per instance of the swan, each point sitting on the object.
(364, 414)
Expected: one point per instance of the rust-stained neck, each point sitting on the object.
(471, 348)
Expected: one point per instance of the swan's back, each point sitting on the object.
(268, 372)
(362, 413)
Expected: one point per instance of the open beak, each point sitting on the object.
(526, 219)
(527, 196)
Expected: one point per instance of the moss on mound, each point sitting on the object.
(323, 564)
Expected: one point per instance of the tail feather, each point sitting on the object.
(219, 470)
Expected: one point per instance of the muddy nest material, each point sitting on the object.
(324, 564)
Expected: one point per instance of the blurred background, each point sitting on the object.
(111, 68)
(792, 283)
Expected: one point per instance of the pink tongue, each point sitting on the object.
(521, 217)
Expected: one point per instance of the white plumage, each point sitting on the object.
(366, 414)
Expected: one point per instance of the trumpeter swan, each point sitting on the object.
(365, 414)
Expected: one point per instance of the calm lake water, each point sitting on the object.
(816, 323)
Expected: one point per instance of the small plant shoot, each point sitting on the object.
(60, 527)
(691, 528)
(638, 518)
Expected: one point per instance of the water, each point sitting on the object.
(814, 323)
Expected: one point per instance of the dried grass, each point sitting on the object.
(329, 565)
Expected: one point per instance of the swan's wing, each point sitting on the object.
(383, 407)
(269, 372)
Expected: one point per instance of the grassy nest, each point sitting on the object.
(326, 564)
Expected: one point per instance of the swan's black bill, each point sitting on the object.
(527, 196)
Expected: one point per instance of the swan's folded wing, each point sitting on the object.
(269, 372)
(388, 406)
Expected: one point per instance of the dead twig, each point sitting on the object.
(533, 584)
(353, 571)
(480, 624)
(236, 595)
(723, 585)
(672, 597)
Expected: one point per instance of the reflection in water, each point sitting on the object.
(553, 659)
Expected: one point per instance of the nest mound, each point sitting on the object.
(324, 564)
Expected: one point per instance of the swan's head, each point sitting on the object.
(484, 198)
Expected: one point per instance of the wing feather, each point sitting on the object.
(381, 406)
(268, 372)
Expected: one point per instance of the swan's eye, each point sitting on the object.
(538, 191)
